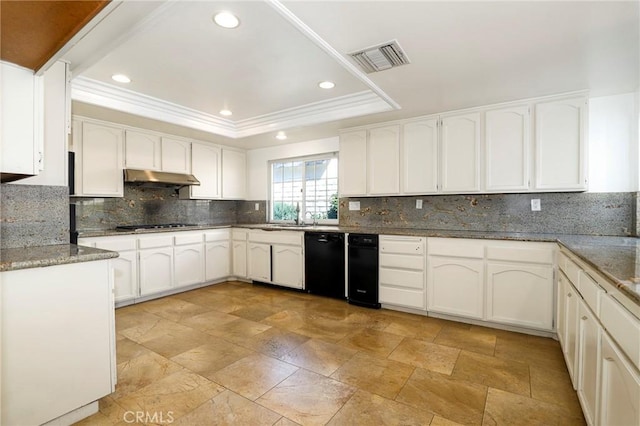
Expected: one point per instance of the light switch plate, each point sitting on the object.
(418, 204)
(535, 205)
(257, 207)
(354, 205)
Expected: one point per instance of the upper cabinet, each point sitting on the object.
(176, 155)
(506, 141)
(460, 153)
(22, 124)
(234, 174)
(486, 149)
(142, 151)
(99, 159)
(561, 145)
(420, 156)
(205, 161)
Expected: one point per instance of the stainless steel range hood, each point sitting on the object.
(152, 178)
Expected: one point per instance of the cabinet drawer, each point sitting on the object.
(590, 291)
(402, 261)
(239, 234)
(402, 297)
(277, 237)
(401, 245)
(183, 238)
(520, 254)
(401, 278)
(623, 327)
(562, 261)
(155, 241)
(216, 235)
(116, 244)
(572, 271)
(453, 247)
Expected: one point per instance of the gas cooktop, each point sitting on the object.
(160, 226)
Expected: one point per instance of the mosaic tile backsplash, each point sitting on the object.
(562, 213)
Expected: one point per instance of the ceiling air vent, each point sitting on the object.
(380, 57)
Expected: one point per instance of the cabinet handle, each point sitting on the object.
(569, 295)
(609, 359)
(584, 318)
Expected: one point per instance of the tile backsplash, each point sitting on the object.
(561, 213)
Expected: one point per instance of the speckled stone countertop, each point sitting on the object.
(616, 258)
(35, 257)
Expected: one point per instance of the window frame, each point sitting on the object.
(304, 159)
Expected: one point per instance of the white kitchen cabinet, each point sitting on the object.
(506, 137)
(287, 264)
(520, 294)
(353, 163)
(620, 387)
(383, 160)
(561, 306)
(234, 174)
(217, 254)
(176, 155)
(259, 264)
(142, 151)
(22, 120)
(402, 271)
(419, 167)
(205, 166)
(570, 300)
(460, 157)
(156, 270)
(99, 159)
(239, 253)
(589, 359)
(456, 286)
(560, 144)
(58, 332)
(188, 264)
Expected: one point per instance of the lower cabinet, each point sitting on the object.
(456, 286)
(239, 259)
(286, 264)
(589, 356)
(276, 257)
(570, 301)
(125, 270)
(620, 387)
(188, 265)
(156, 270)
(217, 260)
(402, 271)
(260, 262)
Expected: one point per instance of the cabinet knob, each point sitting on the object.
(569, 295)
(584, 318)
(609, 359)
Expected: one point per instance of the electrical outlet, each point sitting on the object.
(535, 205)
(354, 205)
(418, 204)
(257, 206)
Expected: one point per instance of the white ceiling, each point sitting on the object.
(185, 69)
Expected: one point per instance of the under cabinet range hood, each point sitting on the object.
(152, 178)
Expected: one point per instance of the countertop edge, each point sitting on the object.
(42, 256)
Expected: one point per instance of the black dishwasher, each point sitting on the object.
(324, 263)
(363, 270)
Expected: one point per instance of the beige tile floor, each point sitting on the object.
(243, 354)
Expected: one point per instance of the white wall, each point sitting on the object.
(257, 161)
(54, 171)
(613, 143)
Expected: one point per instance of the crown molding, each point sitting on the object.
(102, 94)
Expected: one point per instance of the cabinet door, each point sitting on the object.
(239, 259)
(234, 174)
(560, 145)
(620, 387)
(353, 163)
(420, 157)
(176, 156)
(455, 286)
(507, 149)
(206, 168)
(189, 265)
(561, 305)
(520, 294)
(217, 260)
(156, 270)
(126, 276)
(589, 356)
(101, 160)
(461, 153)
(19, 101)
(384, 160)
(142, 151)
(260, 262)
(287, 266)
(571, 298)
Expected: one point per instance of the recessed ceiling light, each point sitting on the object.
(225, 112)
(281, 136)
(226, 19)
(326, 85)
(121, 78)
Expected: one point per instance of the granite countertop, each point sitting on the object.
(616, 258)
(35, 257)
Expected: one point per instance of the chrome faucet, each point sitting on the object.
(297, 219)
